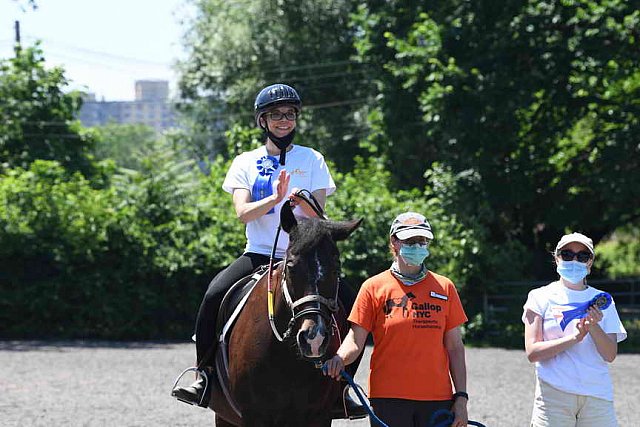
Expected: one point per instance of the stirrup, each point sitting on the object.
(202, 374)
(348, 415)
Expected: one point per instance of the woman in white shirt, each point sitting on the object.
(573, 386)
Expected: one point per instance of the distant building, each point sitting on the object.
(151, 107)
(152, 90)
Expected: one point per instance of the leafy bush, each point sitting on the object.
(130, 261)
(619, 254)
(365, 193)
(124, 143)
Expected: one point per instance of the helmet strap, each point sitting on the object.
(281, 143)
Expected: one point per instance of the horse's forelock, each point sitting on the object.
(308, 234)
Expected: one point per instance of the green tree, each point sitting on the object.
(539, 100)
(126, 144)
(236, 48)
(619, 253)
(37, 118)
(366, 192)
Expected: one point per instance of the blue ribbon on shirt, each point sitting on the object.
(601, 301)
(263, 187)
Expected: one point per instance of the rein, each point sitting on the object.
(440, 418)
(270, 288)
(332, 305)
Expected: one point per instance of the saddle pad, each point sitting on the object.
(234, 300)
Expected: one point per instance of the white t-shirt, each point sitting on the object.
(307, 169)
(579, 369)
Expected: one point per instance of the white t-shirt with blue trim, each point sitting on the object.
(579, 369)
(308, 170)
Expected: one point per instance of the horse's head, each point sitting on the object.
(311, 272)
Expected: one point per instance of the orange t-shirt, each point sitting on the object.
(408, 323)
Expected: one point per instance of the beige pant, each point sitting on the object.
(555, 408)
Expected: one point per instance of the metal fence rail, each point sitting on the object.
(509, 297)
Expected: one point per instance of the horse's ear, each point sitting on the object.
(341, 230)
(287, 218)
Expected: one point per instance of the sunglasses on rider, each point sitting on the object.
(279, 115)
(569, 255)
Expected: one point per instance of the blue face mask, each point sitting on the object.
(572, 271)
(414, 254)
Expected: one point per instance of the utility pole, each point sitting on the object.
(17, 46)
(17, 27)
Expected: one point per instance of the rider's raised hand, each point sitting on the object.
(282, 185)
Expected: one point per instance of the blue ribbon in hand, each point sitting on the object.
(263, 187)
(601, 301)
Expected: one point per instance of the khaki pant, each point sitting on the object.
(555, 408)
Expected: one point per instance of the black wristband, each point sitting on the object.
(458, 394)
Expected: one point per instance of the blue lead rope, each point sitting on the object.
(440, 418)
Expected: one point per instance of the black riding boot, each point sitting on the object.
(195, 394)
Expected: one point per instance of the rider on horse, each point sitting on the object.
(260, 181)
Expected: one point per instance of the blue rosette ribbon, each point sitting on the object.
(263, 186)
(602, 301)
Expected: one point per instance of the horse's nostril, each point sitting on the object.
(321, 330)
(313, 339)
(315, 329)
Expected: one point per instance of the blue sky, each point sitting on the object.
(104, 45)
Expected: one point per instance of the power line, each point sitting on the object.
(275, 70)
(100, 53)
(96, 62)
(53, 135)
(354, 129)
(217, 116)
(308, 66)
(313, 66)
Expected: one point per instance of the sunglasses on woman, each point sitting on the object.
(569, 255)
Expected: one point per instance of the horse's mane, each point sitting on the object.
(308, 233)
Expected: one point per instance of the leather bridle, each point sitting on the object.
(322, 306)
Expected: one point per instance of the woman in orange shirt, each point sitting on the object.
(414, 315)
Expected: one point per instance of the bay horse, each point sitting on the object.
(273, 362)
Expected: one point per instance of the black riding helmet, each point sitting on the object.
(272, 96)
(276, 94)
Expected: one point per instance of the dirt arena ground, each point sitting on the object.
(128, 384)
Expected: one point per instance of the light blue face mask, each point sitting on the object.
(414, 254)
(572, 271)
